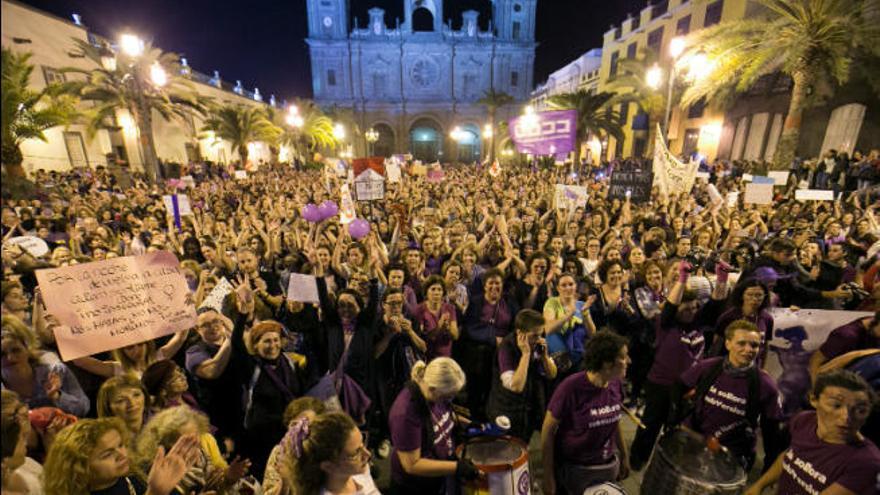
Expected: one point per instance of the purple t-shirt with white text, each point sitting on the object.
(406, 431)
(722, 411)
(811, 465)
(588, 416)
(847, 338)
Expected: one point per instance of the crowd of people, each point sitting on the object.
(473, 300)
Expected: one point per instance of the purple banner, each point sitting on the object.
(545, 133)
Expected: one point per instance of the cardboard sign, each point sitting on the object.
(215, 298)
(637, 182)
(117, 302)
(747, 177)
(35, 246)
(780, 178)
(813, 195)
(436, 174)
(761, 179)
(346, 209)
(567, 197)
(369, 186)
(759, 194)
(392, 171)
(177, 204)
(241, 175)
(732, 198)
(302, 288)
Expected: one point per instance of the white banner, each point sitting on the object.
(796, 335)
(671, 175)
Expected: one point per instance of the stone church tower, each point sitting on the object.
(416, 80)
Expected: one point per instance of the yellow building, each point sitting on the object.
(697, 128)
(50, 41)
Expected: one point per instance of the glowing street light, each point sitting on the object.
(371, 135)
(654, 76)
(131, 45)
(294, 120)
(487, 131)
(339, 131)
(456, 134)
(698, 66)
(158, 75)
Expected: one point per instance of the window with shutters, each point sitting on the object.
(713, 13)
(683, 26)
(331, 78)
(655, 39)
(631, 50)
(514, 79)
(52, 76)
(613, 69)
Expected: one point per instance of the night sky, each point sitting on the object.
(261, 42)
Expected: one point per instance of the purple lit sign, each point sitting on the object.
(545, 133)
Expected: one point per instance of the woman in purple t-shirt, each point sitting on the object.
(828, 454)
(437, 319)
(581, 427)
(422, 424)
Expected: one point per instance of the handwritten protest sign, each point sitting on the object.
(241, 175)
(392, 170)
(759, 194)
(637, 182)
(302, 288)
(215, 298)
(671, 175)
(35, 246)
(780, 178)
(369, 186)
(117, 302)
(732, 198)
(567, 197)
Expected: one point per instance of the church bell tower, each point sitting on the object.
(423, 16)
(328, 19)
(514, 20)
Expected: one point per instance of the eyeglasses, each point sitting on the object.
(394, 303)
(360, 453)
(209, 324)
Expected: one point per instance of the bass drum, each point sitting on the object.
(503, 460)
(683, 465)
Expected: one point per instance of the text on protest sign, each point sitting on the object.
(215, 298)
(117, 302)
(545, 133)
(637, 182)
(302, 288)
(759, 194)
(34, 246)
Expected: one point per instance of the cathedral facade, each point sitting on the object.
(416, 81)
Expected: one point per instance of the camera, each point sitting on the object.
(540, 348)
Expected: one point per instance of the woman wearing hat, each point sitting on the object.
(269, 379)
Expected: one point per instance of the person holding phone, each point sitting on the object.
(521, 372)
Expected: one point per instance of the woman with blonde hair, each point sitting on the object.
(327, 455)
(208, 470)
(39, 382)
(422, 423)
(90, 457)
(126, 398)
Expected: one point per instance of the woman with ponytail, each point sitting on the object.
(422, 424)
(325, 456)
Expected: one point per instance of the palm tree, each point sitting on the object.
(632, 86)
(812, 41)
(27, 113)
(241, 125)
(316, 131)
(118, 84)
(594, 116)
(493, 100)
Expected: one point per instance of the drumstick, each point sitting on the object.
(633, 417)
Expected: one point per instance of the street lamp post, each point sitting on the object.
(133, 47)
(372, 135)
(676, 46)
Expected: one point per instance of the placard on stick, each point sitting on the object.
(813, 195)
(759, 194)
(118, 302)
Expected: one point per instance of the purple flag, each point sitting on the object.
(545, 133)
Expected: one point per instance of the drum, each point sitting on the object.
(504, 461)
(683, 465)
(605, 489)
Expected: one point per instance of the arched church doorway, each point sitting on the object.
(384, 146)
(422, 19)
(426, 140)
(468, 144)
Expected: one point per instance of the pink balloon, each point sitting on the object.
(311, 213)
(359, 228)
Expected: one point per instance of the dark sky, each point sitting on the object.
(261, 42)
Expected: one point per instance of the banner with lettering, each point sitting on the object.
(796, 335)
(545, 133)
(633, 183)
(117, 302)
(567, 197)
(671, 175)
